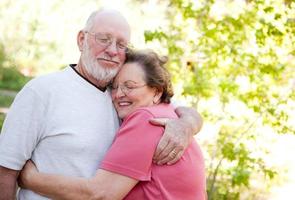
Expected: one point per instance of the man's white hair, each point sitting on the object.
(91, 19)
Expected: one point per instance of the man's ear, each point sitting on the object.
(81, 40)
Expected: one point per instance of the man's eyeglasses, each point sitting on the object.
(105, 40)
(126, 87)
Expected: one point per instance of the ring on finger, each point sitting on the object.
(174, 153)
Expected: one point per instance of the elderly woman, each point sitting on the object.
(141, 91)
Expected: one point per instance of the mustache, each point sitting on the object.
(108, 60)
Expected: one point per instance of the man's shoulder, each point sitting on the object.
(47, 80)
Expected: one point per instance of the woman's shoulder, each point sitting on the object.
(159, 110)
(140, 118)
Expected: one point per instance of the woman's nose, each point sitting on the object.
(117, 93)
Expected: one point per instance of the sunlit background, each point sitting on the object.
(233, 60)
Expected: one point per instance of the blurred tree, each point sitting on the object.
(235, 61)
(40, 36)
(10, 77)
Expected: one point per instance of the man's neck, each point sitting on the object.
(90, 78)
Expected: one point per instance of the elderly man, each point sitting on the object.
(65, 121)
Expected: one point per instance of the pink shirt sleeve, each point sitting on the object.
(132, 151)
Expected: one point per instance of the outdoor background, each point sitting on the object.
(234, 61)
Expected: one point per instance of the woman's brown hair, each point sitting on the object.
(156, 75)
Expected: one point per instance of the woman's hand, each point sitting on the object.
(27, 175)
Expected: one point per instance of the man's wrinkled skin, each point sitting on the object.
(8, 181)
(191, 122)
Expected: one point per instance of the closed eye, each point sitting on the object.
(103, 40)
(114, 87)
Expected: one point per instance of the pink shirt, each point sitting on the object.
(132, 152)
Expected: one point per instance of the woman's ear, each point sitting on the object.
(81, 40)
(157, 96)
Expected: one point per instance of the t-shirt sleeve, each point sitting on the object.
(133, 148)
(21, 129)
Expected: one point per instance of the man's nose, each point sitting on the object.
(112, 50)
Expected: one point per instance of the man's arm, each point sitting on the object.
(8, 183)
(191, 117)
(178, 135)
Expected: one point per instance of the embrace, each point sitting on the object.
(61, 138)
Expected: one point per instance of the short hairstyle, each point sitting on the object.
(90, 21)
(156, 75)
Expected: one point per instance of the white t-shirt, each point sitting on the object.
(60, 121)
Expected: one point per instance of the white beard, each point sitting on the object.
(94, 69)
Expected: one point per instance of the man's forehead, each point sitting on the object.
(112, 22)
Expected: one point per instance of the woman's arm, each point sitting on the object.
(104, 185)
(130, 154)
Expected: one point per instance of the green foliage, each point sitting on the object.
(2, 116)
(240, 55)
(12, 79)
(5, 101)
(34, 33)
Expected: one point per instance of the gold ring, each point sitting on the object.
(174, 153)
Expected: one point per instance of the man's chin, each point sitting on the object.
(106, 77)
